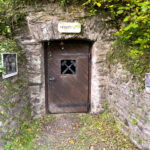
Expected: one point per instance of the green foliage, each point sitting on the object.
(10, 16)
(7, 45)
(105, 113)
(137, 62)
(64, 3)
(136, 29)
(134, 121)
(133, 22)
(9, 107)
(98, 129)
(28, 130)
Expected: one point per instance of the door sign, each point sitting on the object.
(69, 27)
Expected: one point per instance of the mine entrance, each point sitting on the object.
(67, 76)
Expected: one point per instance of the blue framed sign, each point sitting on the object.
(10, 64)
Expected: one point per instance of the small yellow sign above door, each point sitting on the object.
(69, 27)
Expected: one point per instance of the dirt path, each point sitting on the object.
(81, 132)
(61, 130)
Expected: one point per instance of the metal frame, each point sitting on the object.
(68, 67)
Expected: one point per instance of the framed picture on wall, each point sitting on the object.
(10, 64)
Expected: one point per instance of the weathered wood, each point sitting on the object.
(68, 90)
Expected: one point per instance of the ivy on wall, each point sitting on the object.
(10, 17)
(13, 91)
(132, 44)
(8, 45)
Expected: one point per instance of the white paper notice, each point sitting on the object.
(69, 27)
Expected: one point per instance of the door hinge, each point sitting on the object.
(74, 105)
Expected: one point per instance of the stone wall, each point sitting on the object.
(14, 102)
(130, 104)
(42, 27)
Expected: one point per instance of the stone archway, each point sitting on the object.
(41, 27)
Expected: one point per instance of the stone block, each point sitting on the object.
(33, 49)
(35, 78)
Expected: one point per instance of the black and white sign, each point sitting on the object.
(9, 62)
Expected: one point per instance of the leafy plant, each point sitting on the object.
(7, 45)
(132, 19)
(28, 130)
(134, 121)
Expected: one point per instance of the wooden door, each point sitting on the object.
(68, 76)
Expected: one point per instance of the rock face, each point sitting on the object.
(131, 106)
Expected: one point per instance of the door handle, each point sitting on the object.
(51, 78)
